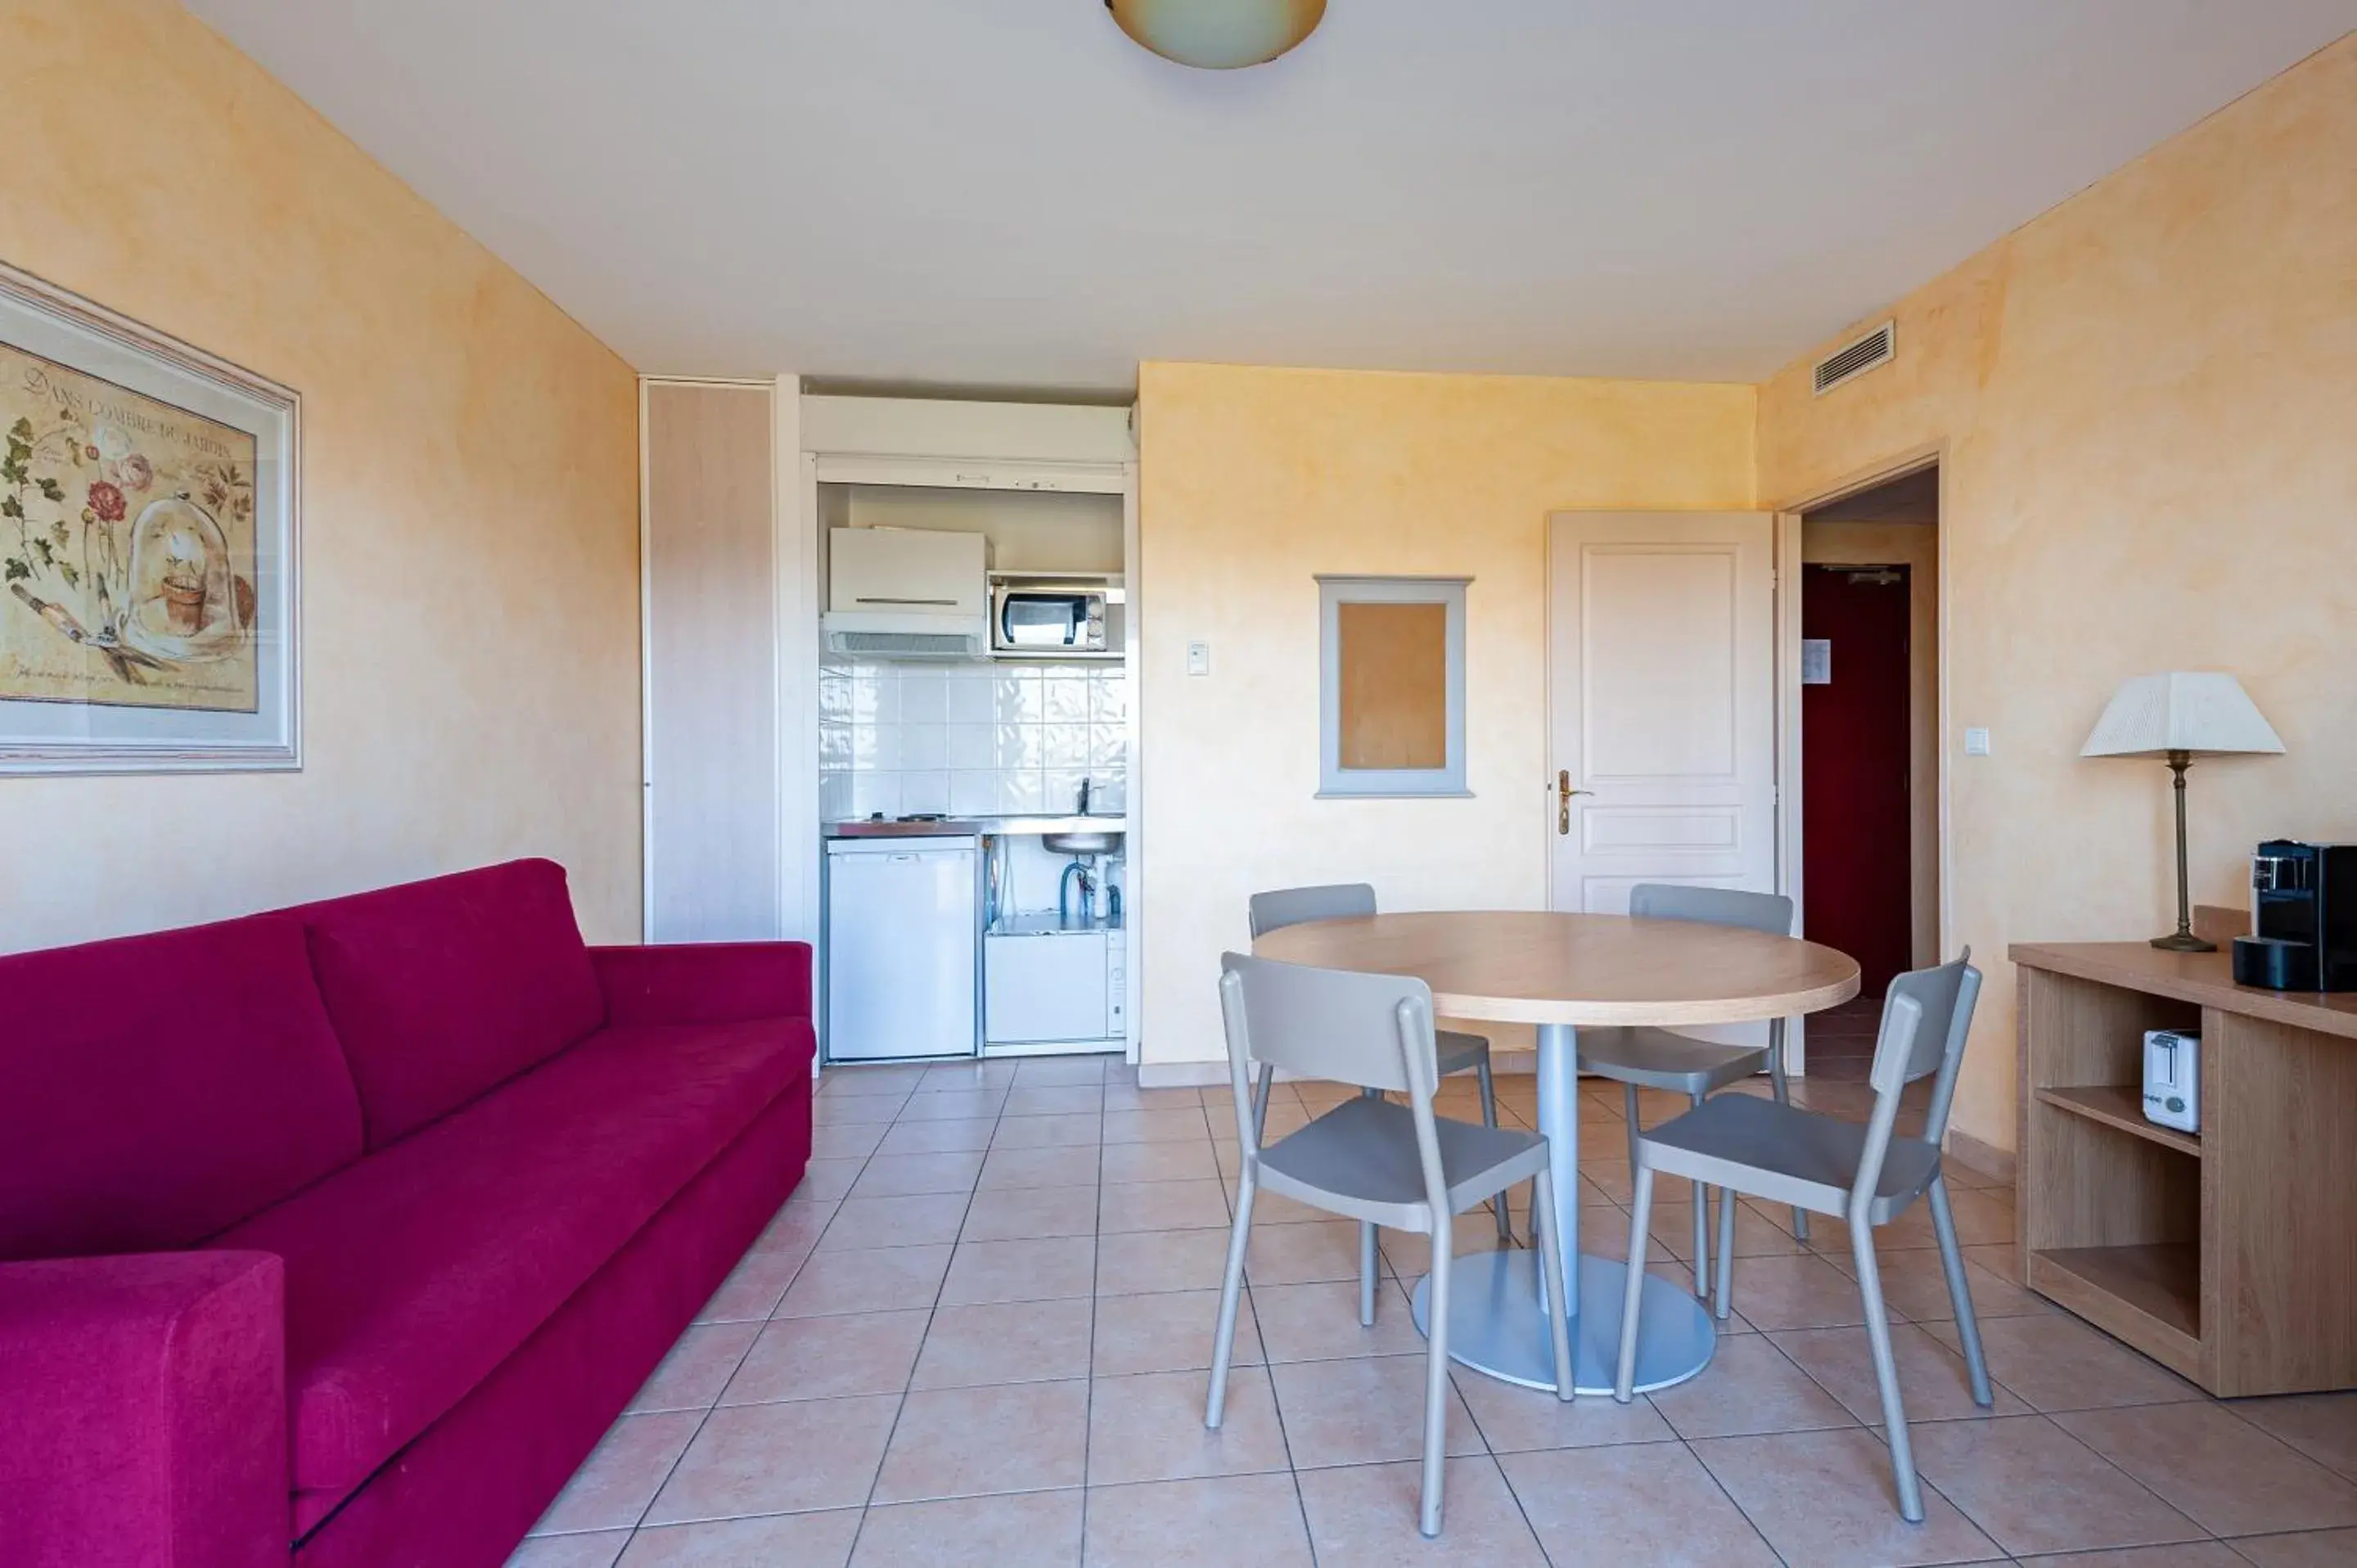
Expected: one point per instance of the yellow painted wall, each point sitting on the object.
(469, 507)
(2147, 399)
(1253, 480)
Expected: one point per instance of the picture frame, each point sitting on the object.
(150, 572)
(1391, 686)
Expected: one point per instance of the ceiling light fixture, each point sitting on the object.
(1218, 34)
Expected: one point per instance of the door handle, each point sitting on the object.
(1563, 794)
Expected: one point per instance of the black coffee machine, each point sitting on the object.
(2304, 919)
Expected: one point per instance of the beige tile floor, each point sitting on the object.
(977, 1334)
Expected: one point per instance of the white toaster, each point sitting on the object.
(2172, 1079)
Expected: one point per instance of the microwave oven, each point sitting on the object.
(1056, 617)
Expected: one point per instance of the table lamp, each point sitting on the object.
(2177, 716)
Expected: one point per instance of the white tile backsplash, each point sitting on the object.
(973, 697)
(973, 792)
(875, 793)
(1023, 791)
(1017, 745)
(923, 747)
(928, 792)
(971, 739)
(1064, 698)
(972, 746)
(924, 697)
(1021, 698)
(1064, 743)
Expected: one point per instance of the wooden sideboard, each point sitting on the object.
(2230, 1257)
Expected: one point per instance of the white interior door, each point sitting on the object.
(1662, 699)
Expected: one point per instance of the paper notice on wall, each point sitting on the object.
(1817, 661)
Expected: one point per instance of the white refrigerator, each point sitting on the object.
(902, 929)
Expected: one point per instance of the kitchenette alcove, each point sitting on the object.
(891, 707)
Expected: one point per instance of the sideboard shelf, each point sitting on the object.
(2121, 1106)
(2229, 1256)
(2160, 1285)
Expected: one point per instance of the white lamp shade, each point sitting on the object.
(1218, 34)
(2203, 712)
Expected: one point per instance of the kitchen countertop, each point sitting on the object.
(970, 827)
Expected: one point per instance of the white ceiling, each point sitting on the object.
(1010, 193)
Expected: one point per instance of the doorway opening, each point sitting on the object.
(1869, 747)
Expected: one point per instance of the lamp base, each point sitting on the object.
(2183, 941)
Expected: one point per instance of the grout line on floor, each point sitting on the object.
(932, 1315)
(998, 1120)
(704, 1417)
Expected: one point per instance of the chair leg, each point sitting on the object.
(1549, 1241)
(1960, 1293)
(1367, 1243)
(1628, 1104)
(1701, 1232)
(1725, 1251)
(1223, 1342)
(1489, 1118)
(1435, 1382)
(1260, 1103)
(1640, 1214)
(1886, 1371)
(1783, 1097)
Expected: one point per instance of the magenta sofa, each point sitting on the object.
(337, 1236)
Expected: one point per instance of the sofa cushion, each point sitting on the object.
(414, 1274)
(159, 1088)
(441, 989)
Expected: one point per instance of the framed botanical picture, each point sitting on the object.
(148, 586)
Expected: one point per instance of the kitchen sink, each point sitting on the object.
(1082, 842)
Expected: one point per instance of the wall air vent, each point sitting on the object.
(1877, 348)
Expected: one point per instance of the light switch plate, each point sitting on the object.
(1977, 743)
(1199, 659)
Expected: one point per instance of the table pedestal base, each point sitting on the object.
(1496, 1326)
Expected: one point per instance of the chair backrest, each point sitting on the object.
(1945, 995)
(1291, 906)
(1927, 1016)
(1770, 912)
(1361, 1029)
(1372, 1030)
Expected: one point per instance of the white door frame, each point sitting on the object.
(1788, 741)
(1789, 782)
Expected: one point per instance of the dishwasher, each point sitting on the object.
(903, 924)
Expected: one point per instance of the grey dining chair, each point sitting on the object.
(1344, 900)
(1865, 1174)
(1644, 1057)
(1369, 1159)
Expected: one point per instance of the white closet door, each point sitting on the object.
(713, 783)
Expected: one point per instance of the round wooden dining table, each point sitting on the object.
(1561, 973)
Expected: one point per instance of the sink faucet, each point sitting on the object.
(1085, 797)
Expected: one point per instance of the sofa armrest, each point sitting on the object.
(705, 983)
(144, 1406)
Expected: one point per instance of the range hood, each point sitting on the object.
(883, 634)
(907, 593)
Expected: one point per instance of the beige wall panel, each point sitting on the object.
(712, 808)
